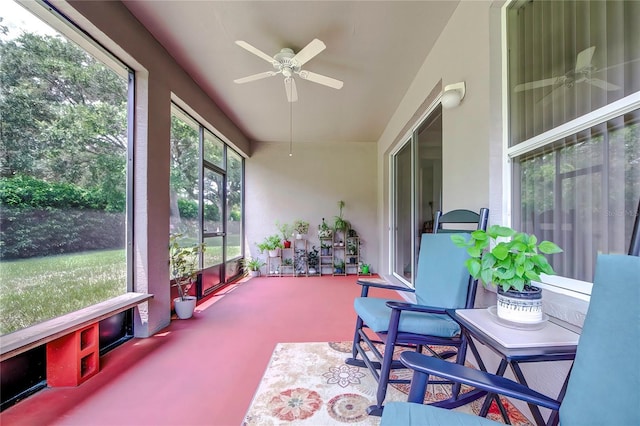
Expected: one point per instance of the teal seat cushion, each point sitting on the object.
(376, 315)
(407, 413)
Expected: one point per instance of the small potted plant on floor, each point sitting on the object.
(183, 266)
(252, 266)
(301, 228)
(339, 266)
(511, 264)
(272, 244)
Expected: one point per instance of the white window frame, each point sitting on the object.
(559, 284)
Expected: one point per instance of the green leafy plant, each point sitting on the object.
(324, 231)
(285, 230)
(252, 264)
(312, 257)
(515, 260)
(339, 264)
(184, 264)
(352, 247)
(270, 242)
(300, 226)
(339, 223)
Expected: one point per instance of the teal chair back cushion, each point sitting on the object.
(442, 279)
(604, 386)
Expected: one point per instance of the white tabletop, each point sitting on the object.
(550, 335)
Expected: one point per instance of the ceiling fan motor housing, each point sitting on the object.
(283, 62)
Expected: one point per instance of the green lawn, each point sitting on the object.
(37, 289)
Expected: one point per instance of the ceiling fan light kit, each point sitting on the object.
(289, 64)
(453, 95)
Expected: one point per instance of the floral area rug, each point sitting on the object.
(310, 384)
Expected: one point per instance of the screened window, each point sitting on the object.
(184, 184)
(63, 170)
(574, 78)
(213, 150)
(234, 204)
(206, 198)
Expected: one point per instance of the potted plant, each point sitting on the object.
(352, 247)
(271, 244)
(301, 227)
(300, 261)
(313, 260)
(286, 231)
(510, 260)
(252, 266)
(325, 249)
(324, 231)
(339, 266)
(183, 267)
(339, 223)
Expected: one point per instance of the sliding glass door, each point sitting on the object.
(416, 192)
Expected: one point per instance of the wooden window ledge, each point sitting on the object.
(20, 341)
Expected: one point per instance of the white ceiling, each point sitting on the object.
(376, 48)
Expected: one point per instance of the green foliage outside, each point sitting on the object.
(64, 114)
(63, 173)
(43, 232)
(26, 191)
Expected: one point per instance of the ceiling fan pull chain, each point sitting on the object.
(290, 127)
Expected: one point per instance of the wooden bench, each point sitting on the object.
(72, 340)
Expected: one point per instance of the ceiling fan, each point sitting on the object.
(288, 63)
(582, 73)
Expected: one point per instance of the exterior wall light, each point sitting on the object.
(452, 95)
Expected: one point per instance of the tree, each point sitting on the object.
(64, 115)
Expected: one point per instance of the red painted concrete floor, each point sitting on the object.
(205, 370)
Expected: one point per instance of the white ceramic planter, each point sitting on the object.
(184, 308)
(520, 307)
(274, 253)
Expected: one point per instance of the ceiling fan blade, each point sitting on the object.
(259, 53)
(309, 51)
(255, 77)
(583, 60)
(321, 79)
(290, 88)
(602, 84)
(536, 84)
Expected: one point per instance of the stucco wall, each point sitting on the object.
(308, 186)
(461, 53)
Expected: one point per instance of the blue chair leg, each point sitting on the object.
(356, 338)
(387, 360)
